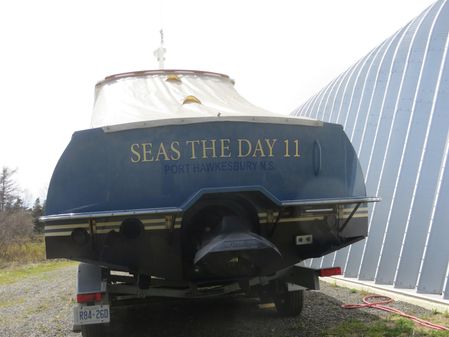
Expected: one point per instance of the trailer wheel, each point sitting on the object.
(289, 303)
(95, 330)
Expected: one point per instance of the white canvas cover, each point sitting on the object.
(169, 95)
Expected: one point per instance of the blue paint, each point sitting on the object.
(130, 169)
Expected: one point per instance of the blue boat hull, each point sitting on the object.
(158, 200)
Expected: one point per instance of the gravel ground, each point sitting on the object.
(39, 305)
(42, 306)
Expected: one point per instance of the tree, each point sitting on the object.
(18, 205)
(8, 189)
(36, 212)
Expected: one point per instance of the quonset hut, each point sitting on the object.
(394, 106)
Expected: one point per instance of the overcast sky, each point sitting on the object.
(278, 52)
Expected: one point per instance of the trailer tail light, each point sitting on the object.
(93, 297)
(330, 271)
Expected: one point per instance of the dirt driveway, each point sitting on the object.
(41, 305)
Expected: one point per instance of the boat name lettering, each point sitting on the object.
(214, 148)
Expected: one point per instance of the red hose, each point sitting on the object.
(380, 305)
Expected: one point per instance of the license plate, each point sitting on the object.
(92, 314)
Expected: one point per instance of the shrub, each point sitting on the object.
(16, 232)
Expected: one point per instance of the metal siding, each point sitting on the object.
(356, 95)
(308, 262)
(328, 107)
(435, 262)
(400, 199)
(323, 101)
(308, 106)
(337, 100)
(336, 105)
(367, 92)
(431, 160)
(312, 111)
(316, 263)
(377, 158)
(341, 257)
(328, 261)
(446, 291)
(313, 108)
(396, 139)
(356, 250)
(414, 240)
(305, 111)
(393, 104)
(351, 90)
(346, 95)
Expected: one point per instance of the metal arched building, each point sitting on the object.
(394, 106)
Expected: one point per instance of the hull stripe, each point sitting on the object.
(70, 226)
(103, 230)
(58, 234)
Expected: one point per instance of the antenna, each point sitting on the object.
(160, 52)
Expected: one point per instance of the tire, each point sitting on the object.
(95, 330)
(289, 304)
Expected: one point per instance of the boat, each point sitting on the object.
(182, 188)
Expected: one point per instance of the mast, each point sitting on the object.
(160, 52)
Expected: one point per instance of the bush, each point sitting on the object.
(16, 234)
(26, 252)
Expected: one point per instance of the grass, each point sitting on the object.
(10, 302)
(395, 327)
(15, 273)
(334, 284)
(20, 260)
(438, 318)
(364, 293)
(30, 251)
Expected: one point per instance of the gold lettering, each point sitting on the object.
(296, 148)
(248, 143)
(225, 147)
(270, 146)
(259, 149)
(175, 149)
(192, 143)
(287, 154)
(211, 148)
(147, 151)
(136, 153)
(162, 151)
